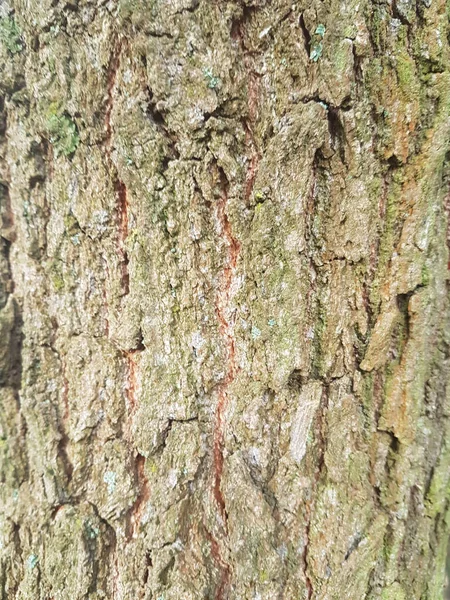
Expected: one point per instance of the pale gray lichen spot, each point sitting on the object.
(172, 478)
(100, 220)
(110, 478)
(197, 340)
(282, 551)
(254, 455)
(256, 333)
(308, 403)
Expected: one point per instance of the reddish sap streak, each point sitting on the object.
(225, 569)
(223, 307)
(223, 312)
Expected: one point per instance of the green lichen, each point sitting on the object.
(386, 243)
(56, 275)
(92, 532)
(316, 51)
(393, 592)
(317, 47)
(213, 82)
(319, 348)
(263, 576)
(58, 283)
(10, 35)
(71, 225)
(259, 197)
(439, 489)
(425, 275)
(62, 130)
(406, 75)
(320, 30)
(32, 561)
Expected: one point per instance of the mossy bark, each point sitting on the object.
(224, 306)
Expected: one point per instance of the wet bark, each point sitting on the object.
(224, 310)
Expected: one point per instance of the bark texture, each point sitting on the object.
(223, 299)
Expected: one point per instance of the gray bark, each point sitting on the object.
(224, 302)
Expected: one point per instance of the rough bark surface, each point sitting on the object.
(223, 299)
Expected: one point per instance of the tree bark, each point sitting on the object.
(224, 302)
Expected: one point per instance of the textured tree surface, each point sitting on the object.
(224, 319)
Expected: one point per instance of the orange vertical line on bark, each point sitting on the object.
(225, 569)
(223, 310)
(224, 317)
(225, 326)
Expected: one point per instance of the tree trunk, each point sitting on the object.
(223, 299)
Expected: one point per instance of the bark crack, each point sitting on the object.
(447, 212)
(317, 476)
(135, 513)
(226, 327)
(120, 188)
(249, 121)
